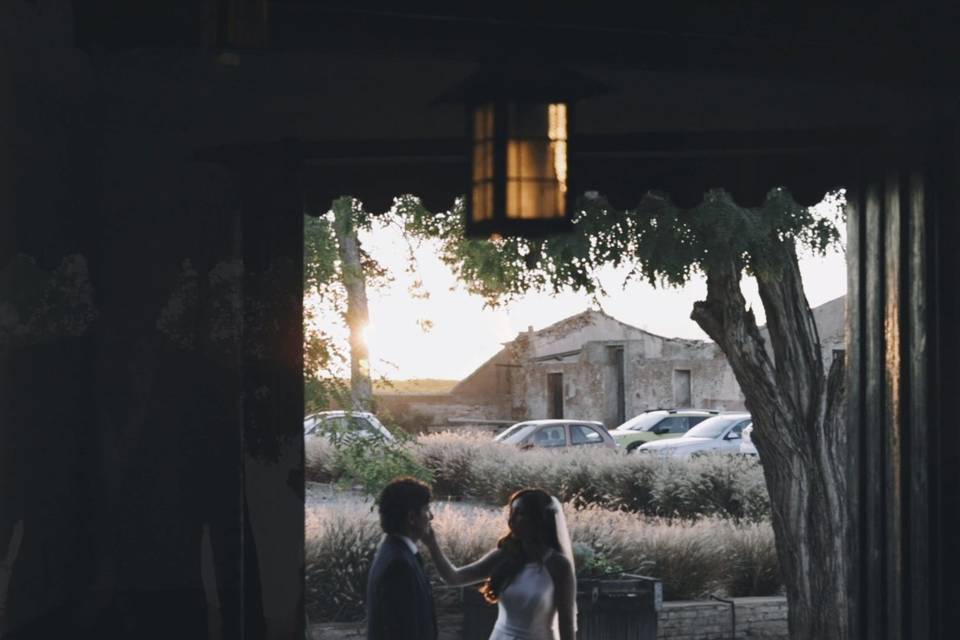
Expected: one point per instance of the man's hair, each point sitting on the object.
(398, 498)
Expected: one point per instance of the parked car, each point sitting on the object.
(656, 424)
(721, 433)
(361, 423)
(548, 434)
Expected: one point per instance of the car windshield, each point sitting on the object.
(516, 433)
(712, 427)
(643, 422)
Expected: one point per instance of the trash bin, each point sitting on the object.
(618, 608)
(623, 607)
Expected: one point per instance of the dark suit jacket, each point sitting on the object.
(399, 598)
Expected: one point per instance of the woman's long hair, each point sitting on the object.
(538, 507)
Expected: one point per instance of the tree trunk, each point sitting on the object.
(799, 433)
(351, 272)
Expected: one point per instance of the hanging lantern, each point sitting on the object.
(519, 122)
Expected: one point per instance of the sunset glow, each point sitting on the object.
(464, 334)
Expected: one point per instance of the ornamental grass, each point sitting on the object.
(472, 466)
(692, 558)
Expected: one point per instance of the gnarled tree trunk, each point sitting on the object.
(799, 433)
(351, 272)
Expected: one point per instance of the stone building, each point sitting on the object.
(594, 367)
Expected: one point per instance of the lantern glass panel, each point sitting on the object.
(482, 198)
(536, 161)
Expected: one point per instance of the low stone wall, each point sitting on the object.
(757, 619)
(710, 620)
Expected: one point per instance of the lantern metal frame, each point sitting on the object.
(508, 90)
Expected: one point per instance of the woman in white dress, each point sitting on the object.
(530, 575)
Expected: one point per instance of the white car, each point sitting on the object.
(361, 423)
(717, 434)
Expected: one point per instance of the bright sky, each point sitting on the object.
(464, 334)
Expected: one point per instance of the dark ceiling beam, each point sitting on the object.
(622, 168)
(874, 43)
(842, 43)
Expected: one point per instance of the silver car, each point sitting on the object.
(720, 433)
(360, 423)
(557, 434)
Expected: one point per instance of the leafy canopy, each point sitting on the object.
(657, 241)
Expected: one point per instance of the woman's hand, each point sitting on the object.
(429, 538)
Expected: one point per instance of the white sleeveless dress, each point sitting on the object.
(527, 610)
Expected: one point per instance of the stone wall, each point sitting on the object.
(710, 620)
(417, 413)
(649, 367)
(757, 618)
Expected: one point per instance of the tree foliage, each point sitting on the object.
(797, 407)
(326, 357)
(657, 241)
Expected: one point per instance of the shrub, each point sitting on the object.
(692, 558)
(451, 457)
(472, 466)
(752, 568)
(614, 535)
(321, 461)
(338, 550)
(688, 557)
(371, 462)
(724, 485)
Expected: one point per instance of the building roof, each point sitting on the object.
(828, 316)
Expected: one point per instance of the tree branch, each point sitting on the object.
(794, 337)
(724, 317)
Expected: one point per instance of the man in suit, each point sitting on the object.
(399, 597)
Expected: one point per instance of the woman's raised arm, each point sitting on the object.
(468, 574)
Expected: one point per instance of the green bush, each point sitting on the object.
(369, 462)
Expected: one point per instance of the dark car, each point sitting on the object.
(549, 434)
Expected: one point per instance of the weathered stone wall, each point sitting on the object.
(438, 412)
(708, 620)
(649, 365)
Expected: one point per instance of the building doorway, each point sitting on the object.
(555, 395)
(681, 388)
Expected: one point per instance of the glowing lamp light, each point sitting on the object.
(519, 126)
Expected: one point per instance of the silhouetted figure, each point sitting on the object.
(399, 597)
